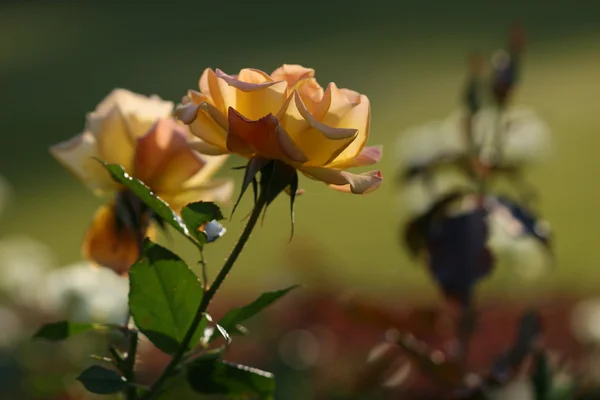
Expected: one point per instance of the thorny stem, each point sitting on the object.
(208, 295)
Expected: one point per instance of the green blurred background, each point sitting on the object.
(58, 59)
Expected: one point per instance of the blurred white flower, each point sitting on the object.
(23, 264)
(11, 327)
(585, 321)
(86, 293)
(523, 138)
(508, 240)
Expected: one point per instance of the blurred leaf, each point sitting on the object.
(143, 192)
(196, 215)
(100, 380)
(458, 253)
(432, 362)
(163, 296)
(57, 331)
(416, 229)
(230, 320)
(210, 375)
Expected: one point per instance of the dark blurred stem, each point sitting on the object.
(208, 295)
(466, 325)
(129, 368)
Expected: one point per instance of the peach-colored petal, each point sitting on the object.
(352, 96)
(218, 190)
(345, 181)
(146, 109)
(181, 167)
(292, 74)
(321, 143)
(115, 144)
(333, 107)
(264, 136)
(79, 155)
(154, 151)
(211, 165)
(109, 246)
(208, 149)
(205, 122)
(311, 93)
(254, 100)
(369, 155)
(359, 117)
(210, 87)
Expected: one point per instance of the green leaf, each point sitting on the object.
(143, 192)
(197, 214)
(99, 380)
(163, 296)
(57, 331)
(210, 375)
(230, 320)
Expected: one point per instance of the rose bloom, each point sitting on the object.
(285, 116)
(138, 133)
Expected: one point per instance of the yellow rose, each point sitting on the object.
(136, 132)
(285, 116)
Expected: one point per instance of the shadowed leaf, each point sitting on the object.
(61, 330)
(163, 296)
(99, 380)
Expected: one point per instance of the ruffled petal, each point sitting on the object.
(145, 109)
(292, 74)
(218, 190)
(208, 149)
(359, 117)
(109, 246)
(345, 181)
(319, 142)
(264, 137)
(369, 155)
(256, 94)
(156, 151)
(115, 144)
(205, 122)
(79, 155)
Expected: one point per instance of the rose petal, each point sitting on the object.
(359, 117)
(78, 155)
(108, 246)
(345, 181)
(154, 151)
(292, 74)
(264, 137)
(115, 144)
(205, 122)
(208, 149)
(146, 109)
(254, 100)
(218, 190)
(211, 86)
(321, 143)
(369, 155)
(179, 168)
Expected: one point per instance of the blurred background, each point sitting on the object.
(58, 59)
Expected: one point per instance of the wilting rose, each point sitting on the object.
(136, 132)
(285, 116)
